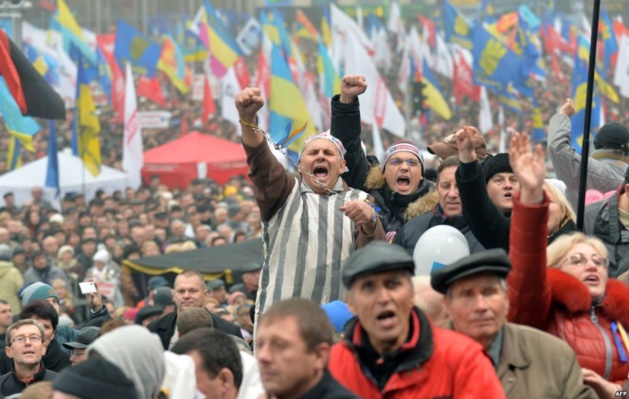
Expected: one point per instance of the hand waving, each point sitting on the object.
(529, 167)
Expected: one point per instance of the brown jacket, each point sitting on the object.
(534, 364)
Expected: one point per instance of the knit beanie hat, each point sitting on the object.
(101, 256)
(403, 145)
(95, 378)
(499, 163)
(37, 292)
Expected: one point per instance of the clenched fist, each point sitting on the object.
(567, 108)
(248, 103)
(351, 87)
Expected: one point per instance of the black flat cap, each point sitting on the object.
(376, 257)
(251, 267)
(493, 261)
(148, 311)
(215, 284)
(161, 215)
(85, 337)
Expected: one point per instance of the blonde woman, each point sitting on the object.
(564, 289)
(66, 298)
(561, 217)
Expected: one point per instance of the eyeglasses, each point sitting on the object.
(20, 339)
(579, 259)
(77, 352)
(409, 161)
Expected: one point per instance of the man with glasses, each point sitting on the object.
(395, 185)
(78, 348)
(190, 292)
(25, 347)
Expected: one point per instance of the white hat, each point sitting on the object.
(56, 218)
(101, 256)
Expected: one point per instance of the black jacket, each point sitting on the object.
(487, 223)
(165, 327)
(346, 127)
(410, 233)
(329, 388)
(11, 385)
(55, 359)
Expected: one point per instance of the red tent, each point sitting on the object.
(184, 159)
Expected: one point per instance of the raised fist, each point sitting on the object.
(351, 87)
(567, 108)
(248, 103)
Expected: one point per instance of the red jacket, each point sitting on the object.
(437, 364)
(554, 301)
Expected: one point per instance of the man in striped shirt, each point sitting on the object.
(311, 223)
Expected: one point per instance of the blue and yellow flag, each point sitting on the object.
(326, 33)
(495, 64)
(433, 93)
(64, 21)
(458, 29)
(329, 79)
(86, 137)
(605, 89)
(136, 49)
(14, 154)
(579, 94)
(224, 50)
(21, 127)
(287, 106)
(538, 130)
(172, 63)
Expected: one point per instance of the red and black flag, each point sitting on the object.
(30, 90)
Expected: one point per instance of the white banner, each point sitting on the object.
(154, 119)
(197, 86)
(249, 37)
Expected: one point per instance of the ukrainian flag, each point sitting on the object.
(224, 50)
(329, 79)
(432, 92)
(539, 133)
(287, 106)
(64, 21)
(87, 125)
(14, 155)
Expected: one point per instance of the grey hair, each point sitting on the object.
(23, 322)
(501, 281)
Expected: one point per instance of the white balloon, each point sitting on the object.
(438, 247)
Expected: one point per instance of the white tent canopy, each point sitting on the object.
(73, 177)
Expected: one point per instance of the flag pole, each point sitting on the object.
(585, 146)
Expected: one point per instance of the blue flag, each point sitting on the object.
(495, 64)
(458, 29)
(133, 47)
(579, 92)
(52, 173)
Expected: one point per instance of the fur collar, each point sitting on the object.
(375, 181)
(575, 297)
(425, 204)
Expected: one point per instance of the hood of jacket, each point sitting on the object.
(572, 294)
(415, 206)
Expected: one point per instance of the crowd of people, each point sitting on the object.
(333, 308)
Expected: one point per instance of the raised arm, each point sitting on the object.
(487, 223)
(272, 184)
(529, 290)
(345, 126)
(565, 160)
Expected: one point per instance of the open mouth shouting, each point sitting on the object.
(320, 172)
(592, 279)
(403, 182)
(386, 319)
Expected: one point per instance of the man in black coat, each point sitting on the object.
(190, 292)
(394, 185)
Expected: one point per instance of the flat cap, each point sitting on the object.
(85, 337)
(251, 267)
(148, 311)
(215, 284)
(376, 257)
(492, 261)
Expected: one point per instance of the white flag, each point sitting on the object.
(376, 105)
(443, 62)
(132, 152)
(621, 76)
(485, 121)
(231, 88)
(341, 25)
(395, 18)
